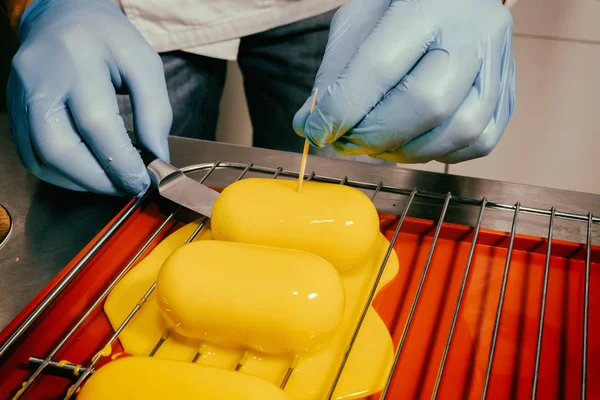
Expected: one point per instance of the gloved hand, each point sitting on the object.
(414, 80)
(63, 112)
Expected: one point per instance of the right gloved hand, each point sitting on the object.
(63, 112)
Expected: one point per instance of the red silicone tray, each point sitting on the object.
(464, 373)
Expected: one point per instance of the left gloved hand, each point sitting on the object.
(414, 80)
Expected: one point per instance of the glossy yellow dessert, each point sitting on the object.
(364, 374)
(145, 378)
(336, 222)
(269, 299)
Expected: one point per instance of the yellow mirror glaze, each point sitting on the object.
(365, 371)
(336, 222)
(134, 285)
(145, 378)
(268, 299)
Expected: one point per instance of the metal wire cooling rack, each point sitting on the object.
(376, 188)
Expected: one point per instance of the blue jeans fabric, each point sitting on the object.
(278, 68)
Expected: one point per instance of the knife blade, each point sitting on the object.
(174, 185)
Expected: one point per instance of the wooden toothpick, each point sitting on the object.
(306, 147)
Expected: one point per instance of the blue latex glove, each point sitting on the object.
(63, 112)
(414, 80)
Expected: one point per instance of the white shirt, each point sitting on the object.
(213, 28)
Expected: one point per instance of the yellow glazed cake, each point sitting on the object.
(336, 222)
(268, 299)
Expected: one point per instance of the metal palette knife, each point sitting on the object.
(177, 187)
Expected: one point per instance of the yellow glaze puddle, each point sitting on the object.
(143, 378)
(365, 371)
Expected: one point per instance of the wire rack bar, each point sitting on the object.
(459, 301)
(158, 344)
(70, 367)
(538, 349)
(586, 307)
(500, 302)
(376, 192)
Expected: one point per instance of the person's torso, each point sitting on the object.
(214, 27)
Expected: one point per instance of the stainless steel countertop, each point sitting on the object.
(51, 225)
